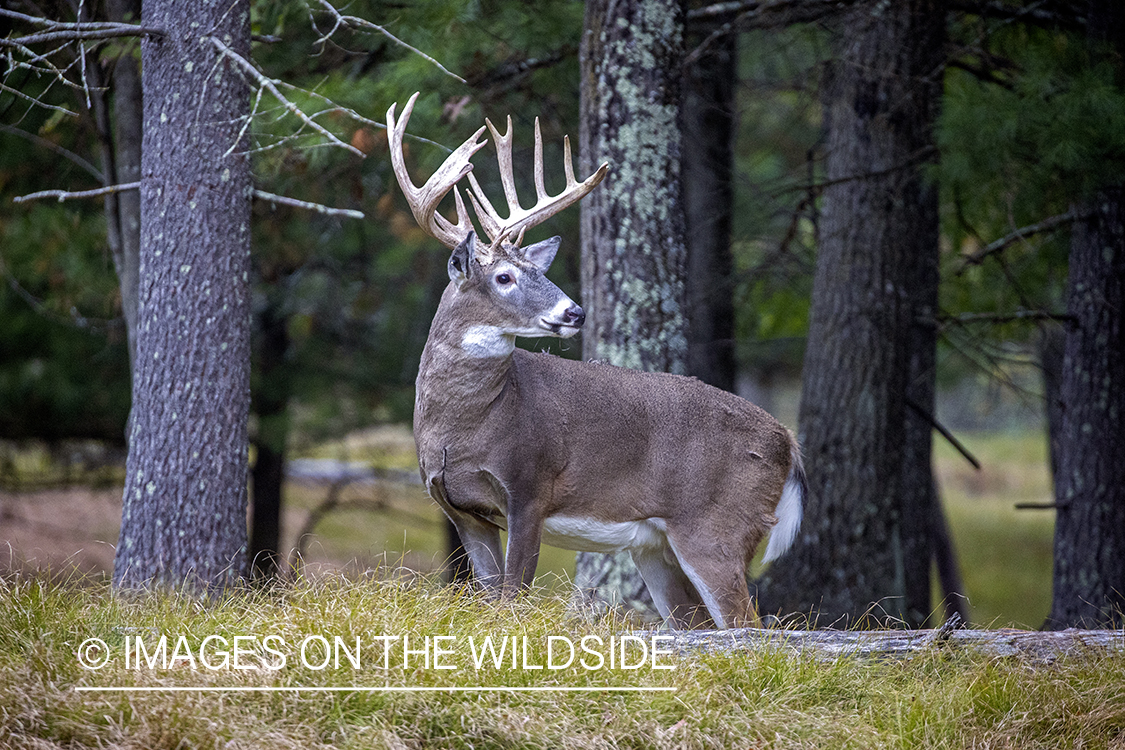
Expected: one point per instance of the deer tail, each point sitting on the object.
(790, 508)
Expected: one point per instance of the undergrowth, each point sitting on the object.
(770, 698)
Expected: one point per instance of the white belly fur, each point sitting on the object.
(592, 535)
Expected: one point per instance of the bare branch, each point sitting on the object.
(317, 207)
(1037, 13)
(1010, 317)
(359, 23)
(63, 195)
(272, 86)
(746, 14)
(59, 31)
(1020, 234)
(37, 102)
(944, 432)
(40, 141)
(80, 34)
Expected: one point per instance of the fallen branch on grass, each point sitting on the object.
(832, 644)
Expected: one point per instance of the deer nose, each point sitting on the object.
(574, 316)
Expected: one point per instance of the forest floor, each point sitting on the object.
(338, 662)
(351, 659)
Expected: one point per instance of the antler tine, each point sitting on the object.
(521, 219)
(424, 201)
(540, 190)
(504, 160)
(489, 220)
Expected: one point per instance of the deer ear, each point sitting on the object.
(541, 254)
(458, 266)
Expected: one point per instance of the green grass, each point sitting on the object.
(764, 698)
(1005, 554)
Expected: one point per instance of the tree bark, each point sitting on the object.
(1089, 573)
(633, 246)
(831, 645)
(184, 515)
(708, 130)
(868, 459)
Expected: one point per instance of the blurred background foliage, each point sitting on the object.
(1029, 126)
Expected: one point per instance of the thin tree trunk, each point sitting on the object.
(270, 401)
(919, 502)
(128, 120)
(119, 146)
(708, 133)
(184, 515)
(633, 247)
(877, 228)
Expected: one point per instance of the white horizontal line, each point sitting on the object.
(366, 689)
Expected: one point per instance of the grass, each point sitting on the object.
(1005, 554)
(765, 698)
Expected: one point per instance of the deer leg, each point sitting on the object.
(481, 541)
(721, 583)
(525, 534)
(675, 597)
(479, 537)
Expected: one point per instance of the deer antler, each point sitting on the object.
(519, 218)
(424, 200)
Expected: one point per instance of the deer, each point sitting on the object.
(583, 456)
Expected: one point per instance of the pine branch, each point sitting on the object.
(79, 34)
(64, 195)
(37, 102)
(997, 246)
(1009, 317)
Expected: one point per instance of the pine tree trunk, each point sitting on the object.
(633, 248)
(184, 516)
(1089, 574)
(858, 543)
(708, 133)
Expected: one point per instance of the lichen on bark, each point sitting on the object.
(633, 245)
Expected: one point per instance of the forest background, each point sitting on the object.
(1029, 130)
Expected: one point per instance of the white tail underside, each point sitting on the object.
(789, 513)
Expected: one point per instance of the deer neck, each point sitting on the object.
(463, 371)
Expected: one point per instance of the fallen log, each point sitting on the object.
(833, 644)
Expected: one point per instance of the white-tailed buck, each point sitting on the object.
(579, 455)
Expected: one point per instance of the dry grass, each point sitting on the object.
(758, 699)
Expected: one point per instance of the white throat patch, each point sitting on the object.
(487, 341)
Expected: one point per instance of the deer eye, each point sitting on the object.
(504, 279)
